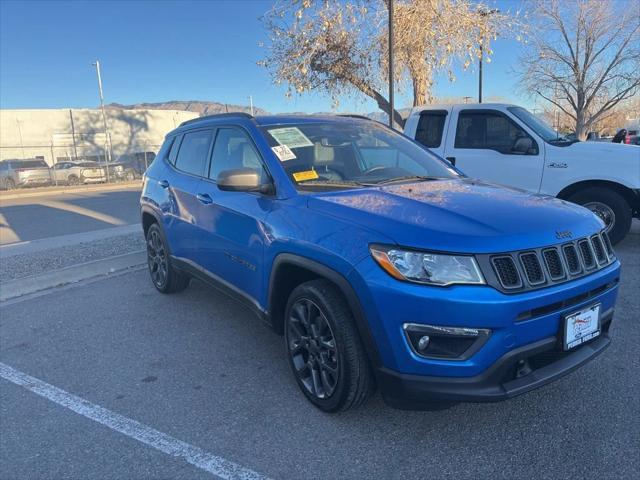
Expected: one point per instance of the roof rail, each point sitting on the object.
(354, 115)
(217, 115)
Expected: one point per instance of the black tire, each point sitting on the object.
(353, 381)
(9, 184)
(73, 180)
(164, 277)
(130, 176)
(604, 202)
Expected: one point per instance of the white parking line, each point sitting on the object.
(131, 428)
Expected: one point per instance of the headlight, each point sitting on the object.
(429, 268)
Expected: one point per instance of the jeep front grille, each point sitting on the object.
(537, 268)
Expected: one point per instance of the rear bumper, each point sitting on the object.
(501, 381)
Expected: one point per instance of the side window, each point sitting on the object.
(173, 152)
(4, 166)
(486, 130)
(194, 149)
(431, 127)
(233, 149)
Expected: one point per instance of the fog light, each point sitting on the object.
(451, 343)
(423, 343)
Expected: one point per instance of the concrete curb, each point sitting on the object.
(75, 273)
(42, 244)
(45, 191)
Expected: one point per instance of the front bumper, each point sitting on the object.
(501, 381)
(523, 326)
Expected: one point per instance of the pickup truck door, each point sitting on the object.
(491, 145)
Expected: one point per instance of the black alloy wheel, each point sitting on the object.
(312, 348)
(157, 259)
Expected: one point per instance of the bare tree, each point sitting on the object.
(583, 57)
(338, 46)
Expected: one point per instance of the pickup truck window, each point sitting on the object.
(488, 130)
(430, 128)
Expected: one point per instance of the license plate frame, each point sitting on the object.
(572, 336)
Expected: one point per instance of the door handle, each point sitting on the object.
(452, 160)
(163, 184)
(204, 198)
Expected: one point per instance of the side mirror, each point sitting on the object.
(523, 146)
(242, 180)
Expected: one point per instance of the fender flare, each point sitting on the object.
(345, 287)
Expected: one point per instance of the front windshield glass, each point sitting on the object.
(536, 124)
(339, 155)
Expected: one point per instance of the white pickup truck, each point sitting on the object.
(507, 144)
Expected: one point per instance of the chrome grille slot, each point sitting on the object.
(532, 268)
(586, 253)
(554, 264)
(598, 248)
(607, 245)
(506, 271)
(572, 259)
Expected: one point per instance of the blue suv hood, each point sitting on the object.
(459, 215)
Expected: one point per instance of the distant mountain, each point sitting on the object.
(202, 107)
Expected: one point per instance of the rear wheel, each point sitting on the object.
(130, 175)
(324, 349)
(73, 180)
(610, 206)
(9, 184)
(164, 277)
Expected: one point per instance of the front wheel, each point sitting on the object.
(324, 349)
(610, 206)
(9, 184)
(164, 277)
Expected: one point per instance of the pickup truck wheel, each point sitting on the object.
(164, 277)
(610, 206)
(324, 349)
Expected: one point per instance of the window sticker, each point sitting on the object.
(306, 175)
(283, 153)
(292, 137)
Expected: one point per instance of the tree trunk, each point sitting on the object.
(419, 92)
(581, 126)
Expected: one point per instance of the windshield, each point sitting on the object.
(345, 155)
(538, 125)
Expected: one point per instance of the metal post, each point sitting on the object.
(251, 104)
(480, 77)
(21, 142)
(104, 121)
(391, 105)
(73, 135)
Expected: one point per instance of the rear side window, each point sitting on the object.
(487, 130)
(192, 156)
(32, 164)
(4, 166)
(431, 127)
(173, 151)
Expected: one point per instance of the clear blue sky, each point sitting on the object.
(154, 51)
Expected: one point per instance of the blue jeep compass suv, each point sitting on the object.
(379, 262)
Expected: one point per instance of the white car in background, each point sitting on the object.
(507, 144)
(76, 173)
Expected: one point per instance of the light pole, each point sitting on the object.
(20, 133)
(483, 13)
(391, 107)
(104, 120)
(251, 104)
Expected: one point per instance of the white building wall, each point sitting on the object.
(76, 133)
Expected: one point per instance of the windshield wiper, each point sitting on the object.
(422, 178)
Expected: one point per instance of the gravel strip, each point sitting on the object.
(20, 266)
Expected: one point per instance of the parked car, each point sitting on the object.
(508, 145)
(30, 172)
(76, 173)
(380, 263)
(131, 166)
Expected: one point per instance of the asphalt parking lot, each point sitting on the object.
(199, 369)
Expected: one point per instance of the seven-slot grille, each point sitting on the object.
(550, 265)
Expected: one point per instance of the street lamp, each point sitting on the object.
(483, 13)
(104, 119)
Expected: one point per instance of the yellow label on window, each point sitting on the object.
(304, 176)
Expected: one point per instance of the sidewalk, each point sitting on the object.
(46, 191)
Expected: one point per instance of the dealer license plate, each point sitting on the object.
(582, 326)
